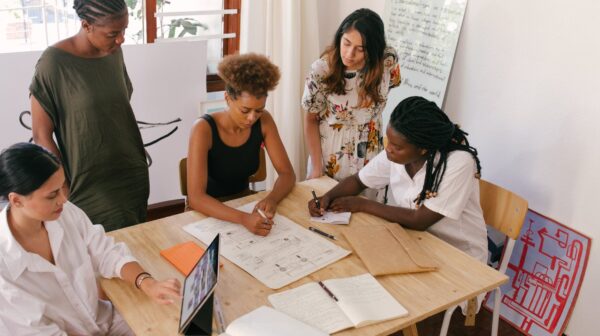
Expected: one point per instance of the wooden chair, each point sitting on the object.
(505, 212)
(259, 176)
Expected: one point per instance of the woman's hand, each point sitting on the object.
(163, 292)
(347, 203)
(315, 172)
(256, 224)
(315, 211)
(267, 206)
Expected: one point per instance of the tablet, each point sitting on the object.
(199, 284)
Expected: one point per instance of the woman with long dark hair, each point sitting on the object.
(344, 96)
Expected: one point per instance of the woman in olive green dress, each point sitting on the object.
(80, 94)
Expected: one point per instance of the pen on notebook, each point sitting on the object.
(327, 291)
(318, 204)
(322, 233)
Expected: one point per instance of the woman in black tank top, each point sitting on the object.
(224, 147)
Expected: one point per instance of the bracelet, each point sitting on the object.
(140, 278)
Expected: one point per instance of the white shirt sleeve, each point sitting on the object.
(456, 187)
(376, 174)
(107, 256)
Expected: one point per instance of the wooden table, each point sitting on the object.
(458, 278)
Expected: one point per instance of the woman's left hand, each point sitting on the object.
(267, 206)
(163, 292)
(347, 203)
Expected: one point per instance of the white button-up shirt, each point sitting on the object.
(457, 198)
(39, 298)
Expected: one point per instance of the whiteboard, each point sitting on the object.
(169, 82)
(425, 34)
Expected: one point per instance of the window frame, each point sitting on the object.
(231, 24)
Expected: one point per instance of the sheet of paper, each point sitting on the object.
(310, 304)
(330, 217)
(290, 252)
(364, 299)
(265, 321)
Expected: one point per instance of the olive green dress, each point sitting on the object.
(97, 134)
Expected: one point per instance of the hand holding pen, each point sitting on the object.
(317, 206)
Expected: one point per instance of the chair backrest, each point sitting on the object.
(260, 175)
(502, 209)
(183, 176)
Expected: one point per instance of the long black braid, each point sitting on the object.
(426, 126)
(93, 10)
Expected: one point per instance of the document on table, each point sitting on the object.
(290, 252)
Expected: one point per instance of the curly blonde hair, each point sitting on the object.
(252, 73)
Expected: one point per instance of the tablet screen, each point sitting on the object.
(200, 283)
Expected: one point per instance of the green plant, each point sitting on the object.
(189, 25)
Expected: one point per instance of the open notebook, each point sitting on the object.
(265, 321)
(361, 301)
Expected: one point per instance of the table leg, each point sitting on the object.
(471, 312)
(410, 331)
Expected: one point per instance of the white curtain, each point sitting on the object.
(287, 32)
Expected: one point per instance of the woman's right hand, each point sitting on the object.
(323, 205)
(315, 172)
(316, 169)
(256, 224)
(163, 292)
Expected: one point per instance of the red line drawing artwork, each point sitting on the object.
(546, 270)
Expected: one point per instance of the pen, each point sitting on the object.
(327, 291)
(314, 229)
(316, 199)
(262, 214)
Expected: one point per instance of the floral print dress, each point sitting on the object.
(350, 136)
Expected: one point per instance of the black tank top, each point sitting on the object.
(230, 167)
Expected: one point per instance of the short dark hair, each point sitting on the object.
(252, 73)
(94, 10)
(24, 167)
(426, 126)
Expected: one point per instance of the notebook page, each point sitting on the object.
(330, 217)
(364, 300)
(310, 304)
(266, 321)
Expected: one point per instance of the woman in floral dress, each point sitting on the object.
(345, 94)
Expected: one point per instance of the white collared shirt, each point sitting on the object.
(457, 198)
(39, 298)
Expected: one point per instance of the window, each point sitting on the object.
(215, 20)
(35, 24)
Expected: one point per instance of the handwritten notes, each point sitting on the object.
(290, 252)
(425, 34)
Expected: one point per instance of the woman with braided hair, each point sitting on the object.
(80, 94)
(432, 173)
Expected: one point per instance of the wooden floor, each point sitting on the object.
(483, 325)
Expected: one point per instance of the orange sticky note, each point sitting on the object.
(183, 256)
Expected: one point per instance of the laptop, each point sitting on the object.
(198, 287)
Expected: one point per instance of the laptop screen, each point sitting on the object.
(200, 283)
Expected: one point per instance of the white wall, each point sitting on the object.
(525, 84)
